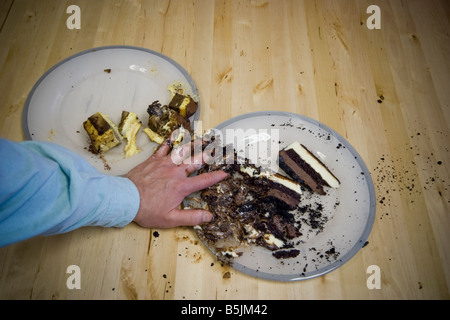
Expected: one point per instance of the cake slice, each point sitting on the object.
(103, 133)
(299, 163)
(129, 127)
(184, 105)
(181, 102)
(274, 186)
(163, 121)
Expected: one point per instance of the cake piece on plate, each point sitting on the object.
(183, 104)
(163, 121)
(103, 133)
(273, 186)
(129, 127)
(299, 163)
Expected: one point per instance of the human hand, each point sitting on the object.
(163, 185)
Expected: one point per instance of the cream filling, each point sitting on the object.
(230, 253)
(315, 164)
(113, 126)
(175, 88)
(273, 177)
(271, 240)
(252, 233)
(183, 106)
(153, 136)
(129, 131)
(283, 181)
(180, 133)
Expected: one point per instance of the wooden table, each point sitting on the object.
(385, 90)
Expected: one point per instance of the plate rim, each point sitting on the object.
(25, 128)
(372, 201)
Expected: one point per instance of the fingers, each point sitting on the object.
(196, 183)
(181, 153)
(204, 180)
(191, 168)
(187, 217)
(163, 149)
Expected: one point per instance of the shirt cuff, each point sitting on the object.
(123, 205)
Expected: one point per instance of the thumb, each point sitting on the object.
(188, 217)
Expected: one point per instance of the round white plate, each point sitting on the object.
(109, 80)
(348, 212)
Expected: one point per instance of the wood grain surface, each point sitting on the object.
(385, 90)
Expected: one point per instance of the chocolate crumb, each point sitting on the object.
(283, 254)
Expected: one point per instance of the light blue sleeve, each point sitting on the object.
(46, 189)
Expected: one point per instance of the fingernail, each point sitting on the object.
(207, 217)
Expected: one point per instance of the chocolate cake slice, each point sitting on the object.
(184, 105)
(274, 187)
(182, 102)
(299, 163)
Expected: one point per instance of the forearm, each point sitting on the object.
(46, 189)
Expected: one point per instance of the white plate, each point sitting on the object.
(105, 79)
(350, 209)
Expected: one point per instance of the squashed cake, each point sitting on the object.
(256, 207)
(249, 207)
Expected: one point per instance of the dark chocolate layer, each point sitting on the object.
(301, 171)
